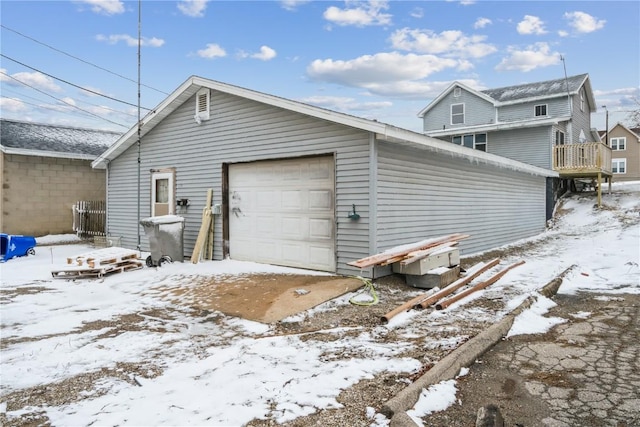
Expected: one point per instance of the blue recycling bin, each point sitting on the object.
(12, 246)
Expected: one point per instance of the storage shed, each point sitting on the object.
(302, 186)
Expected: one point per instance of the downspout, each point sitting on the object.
(570, 105)
(139, 124)
(373, 197)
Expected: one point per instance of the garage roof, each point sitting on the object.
(38, 139)
(382, 131)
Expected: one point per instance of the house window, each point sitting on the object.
(481, 142)
(457, 114)
(203, 100)
(619, 166)
(559, 137)
(582, 100)
(618, 143)
(477, 141)
(541, 110)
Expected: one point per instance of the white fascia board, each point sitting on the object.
(53, 154)
(499, 126)
(397, 135)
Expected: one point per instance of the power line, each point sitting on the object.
(84, 102)
(71, 84)
(63, 101)
(79, 59)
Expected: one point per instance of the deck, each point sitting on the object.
(587, 160)
(582, 160)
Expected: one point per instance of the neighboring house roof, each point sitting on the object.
(383, 131)
(529, 92)
(633, 131)
(38, 139)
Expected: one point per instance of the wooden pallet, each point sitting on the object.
(98, 263)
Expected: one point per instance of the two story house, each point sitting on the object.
(546, 124)
(625, 151)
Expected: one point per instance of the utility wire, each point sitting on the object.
(71, 84)
(79, 59)
(62, 100)
(22, 95)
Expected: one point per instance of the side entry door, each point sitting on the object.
(163, 199)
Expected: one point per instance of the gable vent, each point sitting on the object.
(456, 92)
(203, 100)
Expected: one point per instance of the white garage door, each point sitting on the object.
(282, 212)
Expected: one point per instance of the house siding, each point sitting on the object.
(528, 145)
(239, 130)
(631, 153)
(477, 111)
(425, 194)
(556, 107)
(581, 121)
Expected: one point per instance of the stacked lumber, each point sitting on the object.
(204, 243)
(410, 253)
(99, 263)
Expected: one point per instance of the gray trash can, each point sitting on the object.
(165, 235)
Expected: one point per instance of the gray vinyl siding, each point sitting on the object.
(528, 145)
(424, 194)
(556, 107)
(240, 130)
(477, 111)
(581, 121)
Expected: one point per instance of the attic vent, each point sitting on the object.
(202, 104)
(456, 92)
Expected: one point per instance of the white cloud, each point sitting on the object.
(530, 58)
(13, 105)
(33, 79)
(362, 15)
(450, 43)
(129, 40)
(563, 33)
(531, 25)
(265, 54)
(417, 12)
(482, 22)
(212, 51)
(386, 74)
(417, 89)
(105, 7)
(193, 8)
(345, 103)
(620, 91)
(292, 4)
(381, 67)
(583, 22)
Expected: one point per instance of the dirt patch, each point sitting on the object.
(265, 298)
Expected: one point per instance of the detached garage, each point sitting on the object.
(301, 186)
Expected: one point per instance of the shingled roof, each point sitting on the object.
(17, 137)
(539, 89)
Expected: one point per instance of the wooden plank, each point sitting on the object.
(428, 299)
(202, 235)
(418, 255)
(446, 303)
(378, 259)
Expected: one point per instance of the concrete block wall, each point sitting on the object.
(38, 193)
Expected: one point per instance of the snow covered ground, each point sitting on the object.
(188, 370)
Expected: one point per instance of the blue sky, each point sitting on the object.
(383, 60)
